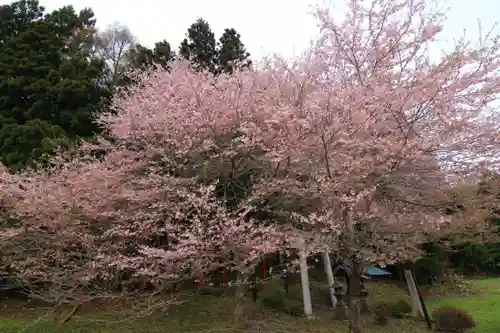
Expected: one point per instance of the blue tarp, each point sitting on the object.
(375, 271)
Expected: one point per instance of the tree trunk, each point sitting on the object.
(241, 285)
(354, 298)
(354, 283)
(254, 288)
(286, 284)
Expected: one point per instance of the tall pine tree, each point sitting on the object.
(200, 46)
(224, 56)
(48, 81)
(143, 57)
(232, 53)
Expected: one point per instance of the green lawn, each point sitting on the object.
(212, 313)
(484, 307)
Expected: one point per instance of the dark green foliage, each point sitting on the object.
(274, 303)
(48, 81)
(235, 187)
(292, 307)
(232, 53)
(450, 319)
(143, 57)
(163, 53)
(234, 175)
(200, 46)
(382, 312)
(213, 291)
(474, 257)
(428, 269)
(22, 144)
(400, 308)
(468, 258)
(479, 258)
(224, 56)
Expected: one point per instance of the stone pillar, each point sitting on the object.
(341, 310)
(363, 302)
(417, 309)
(304, 278)
(329, 274)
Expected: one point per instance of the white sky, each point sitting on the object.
(266, 26)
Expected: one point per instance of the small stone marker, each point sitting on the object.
(416, 306)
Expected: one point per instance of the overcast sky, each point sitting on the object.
(266, 26)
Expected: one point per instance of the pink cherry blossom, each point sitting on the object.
(360, 141)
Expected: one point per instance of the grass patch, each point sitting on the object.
(213, 313)
(483, 306)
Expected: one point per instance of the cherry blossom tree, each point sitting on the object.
(360, 142)
(127, 217)
(380, 133)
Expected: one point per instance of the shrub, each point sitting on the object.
(382, 312)
(400, 309)
(279, 303)
(428, 270)
(211, 291)
(452, 319)
(457, 283)
(274, 303)
(474, 258)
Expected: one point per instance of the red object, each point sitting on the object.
(265, 272)
(200, 282)
(225, 277)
